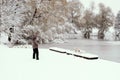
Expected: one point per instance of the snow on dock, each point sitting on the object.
(78, 53)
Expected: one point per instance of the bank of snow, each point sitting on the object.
(17, 64)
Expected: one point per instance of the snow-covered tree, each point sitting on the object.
(117, 26)
(12, 12)
(12, 16)
(89, 20)
(74, 11)
(104, 20)
(46, 15)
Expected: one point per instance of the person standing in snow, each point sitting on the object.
(35, 47)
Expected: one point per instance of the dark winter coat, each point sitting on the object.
(34, 43)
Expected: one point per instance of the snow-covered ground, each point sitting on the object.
(17, 64)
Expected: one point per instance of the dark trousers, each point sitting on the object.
(35, 53)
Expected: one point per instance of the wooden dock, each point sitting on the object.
(81, 54)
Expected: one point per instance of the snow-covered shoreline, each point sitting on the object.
(17, 64)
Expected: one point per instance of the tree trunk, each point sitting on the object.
(101, 35)
(87, 35)
(117, 36)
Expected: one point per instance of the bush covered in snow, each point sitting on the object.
(60, 32)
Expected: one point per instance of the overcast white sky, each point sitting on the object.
(113, 4)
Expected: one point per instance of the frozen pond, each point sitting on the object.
(108, 50)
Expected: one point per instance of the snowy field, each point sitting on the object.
(17, 64)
